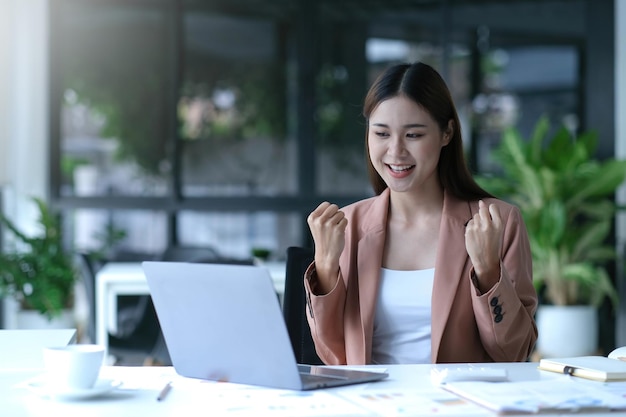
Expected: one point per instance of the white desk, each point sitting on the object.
(407, 392)
(116, 278)
(23, 347)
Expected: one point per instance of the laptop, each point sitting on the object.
(223, 322)
(23, 348)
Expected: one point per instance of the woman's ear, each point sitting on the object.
(448, 132)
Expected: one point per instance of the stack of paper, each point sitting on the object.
(538, 396)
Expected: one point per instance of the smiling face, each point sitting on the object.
(404, 143)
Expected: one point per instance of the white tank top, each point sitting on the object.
(402, 328)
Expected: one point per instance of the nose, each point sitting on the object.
(396, 146)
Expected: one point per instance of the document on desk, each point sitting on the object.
(236, 400)
(411, 402)
(188, 395)
(538, 396)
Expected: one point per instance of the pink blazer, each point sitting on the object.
(467, 326)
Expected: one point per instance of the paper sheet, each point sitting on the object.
(536, 396)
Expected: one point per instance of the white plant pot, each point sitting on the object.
(30, 319)
(567, 331)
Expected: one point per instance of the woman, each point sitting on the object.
(432, 269)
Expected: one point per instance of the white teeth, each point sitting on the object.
(400, 168)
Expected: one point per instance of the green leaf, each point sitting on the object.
(565, 195)
(38, 271)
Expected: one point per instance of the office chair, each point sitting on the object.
(87, 268)
(130, 311)
(294, 305)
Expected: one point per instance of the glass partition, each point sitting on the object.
(241, 235)
(226, 123)
(232, 107)
(112, 61)
(113, 233)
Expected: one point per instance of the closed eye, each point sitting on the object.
(414, 135)
(381, 134)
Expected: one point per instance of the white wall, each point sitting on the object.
(6, 27)
(23, 114)
(23, 106)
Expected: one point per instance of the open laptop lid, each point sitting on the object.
(223, 322)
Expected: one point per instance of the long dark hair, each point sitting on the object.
(422, 84)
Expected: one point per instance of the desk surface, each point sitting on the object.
(407, 392)
(22, 347)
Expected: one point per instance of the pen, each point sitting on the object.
(164, 391)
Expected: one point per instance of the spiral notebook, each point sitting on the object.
(598, 368)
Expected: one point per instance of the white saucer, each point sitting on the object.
(101, 387)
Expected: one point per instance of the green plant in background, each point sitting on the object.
(107, 239)
(37, 270)
(261, 253)
(566, 197)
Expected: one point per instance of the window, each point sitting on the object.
(225, 124)
(232, 108)
(113, 77)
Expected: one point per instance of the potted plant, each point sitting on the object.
(566, 197)
(37, 270)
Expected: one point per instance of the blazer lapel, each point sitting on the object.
(450, 264)
(370, 260)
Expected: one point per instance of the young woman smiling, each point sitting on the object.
(431, 269)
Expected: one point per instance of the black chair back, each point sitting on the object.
(294, 305)
(198, 254)
(87, 268)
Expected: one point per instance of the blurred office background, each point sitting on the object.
(224, 123)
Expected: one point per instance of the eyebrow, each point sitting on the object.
(410, 125)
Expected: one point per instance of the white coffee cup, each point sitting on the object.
(73, 366)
